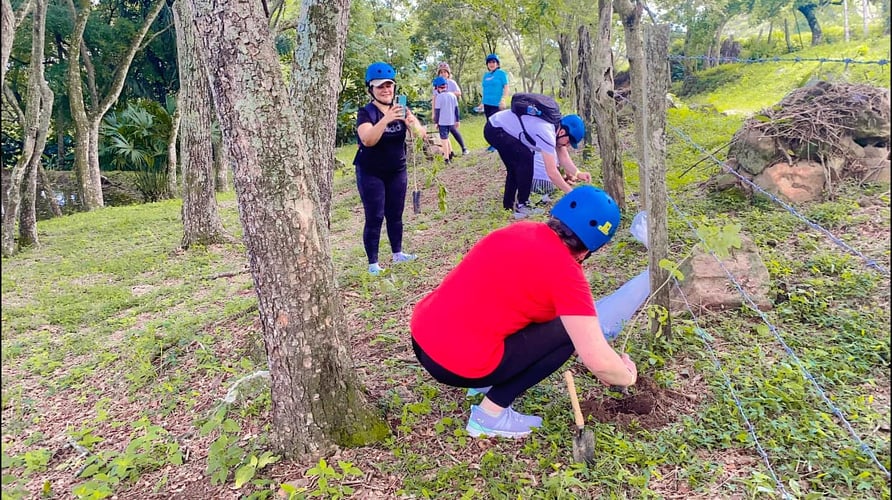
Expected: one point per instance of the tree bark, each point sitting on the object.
(28, 217)
(201, 222)
(787, 36)
(9, 23)
(808, 11)
(35, 127)
(585, 76)
(172, 158)
(657, 85)
(630, 14)
(87, 122)
(605, 107)
(221, 166)
(845, 20)
(565, 46)
(316, 77)
(317, 399)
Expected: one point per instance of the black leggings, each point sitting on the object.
(489, 111)
(383, 197)
(531, 355)
(518, 160)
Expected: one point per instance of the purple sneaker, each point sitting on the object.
(508, 424)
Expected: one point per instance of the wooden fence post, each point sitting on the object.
(656, 42)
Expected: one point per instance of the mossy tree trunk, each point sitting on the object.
(87, 121)
(317, 399)
(201, 221)
(35, 121)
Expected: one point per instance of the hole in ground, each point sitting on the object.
(646, 403)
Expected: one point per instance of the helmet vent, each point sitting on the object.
(573, 204)
(593, 223)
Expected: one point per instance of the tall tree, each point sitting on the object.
(317, 399)
(201, 222)
(9, 23)
(630, 14)
(605, 106)
(315, 78)
(87, 121)
(35, 123)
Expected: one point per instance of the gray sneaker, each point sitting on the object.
(509, 424)
(522, 211)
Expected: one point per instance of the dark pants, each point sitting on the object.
(489, 111)
(531, 355)
(445, 130)
(518, 160)
(383, 197)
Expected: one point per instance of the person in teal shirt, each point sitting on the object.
(495, 88)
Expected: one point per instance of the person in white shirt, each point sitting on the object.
(517, 144)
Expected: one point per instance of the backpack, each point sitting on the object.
(538, 105)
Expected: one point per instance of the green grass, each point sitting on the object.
(743, 88)
(130, 343)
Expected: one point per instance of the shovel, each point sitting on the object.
(416, 193)
(583, 440)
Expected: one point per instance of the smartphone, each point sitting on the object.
(401, 100)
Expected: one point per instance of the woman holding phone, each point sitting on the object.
(380, 162)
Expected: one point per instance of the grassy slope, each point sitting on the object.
(750, 87)
(108, 323)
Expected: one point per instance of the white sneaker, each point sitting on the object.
(375, 269)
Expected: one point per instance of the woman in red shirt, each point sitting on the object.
(517, 307)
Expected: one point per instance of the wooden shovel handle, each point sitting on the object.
(571, 388)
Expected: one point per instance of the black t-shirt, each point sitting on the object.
(389, 154)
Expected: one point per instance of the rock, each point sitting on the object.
(752, 150)
(707, 286)
(801, 182)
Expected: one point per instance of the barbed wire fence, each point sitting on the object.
(871, 263)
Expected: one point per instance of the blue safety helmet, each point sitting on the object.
(575, 129)
(439, 81)
(493, 57)
(590, 213)
(379, 71)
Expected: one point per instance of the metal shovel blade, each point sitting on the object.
(583, 446)
(416, 202)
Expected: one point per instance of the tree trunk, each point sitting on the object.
(221, 166)
(315, 77)
(787, 36)
(630, 13)
(605, 107)
(657, 84)
(47, 188)
(864, 15)
(87, 122)
(808, 11)
(9, 23)
(317, 399)
(172, 158)
(28, 217)
(585, 80)
(34, 132)
(845, 18)
(565, 46)
(201, 222)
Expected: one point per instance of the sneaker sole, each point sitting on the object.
(476, 430)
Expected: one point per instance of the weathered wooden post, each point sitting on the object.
(656, 85)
